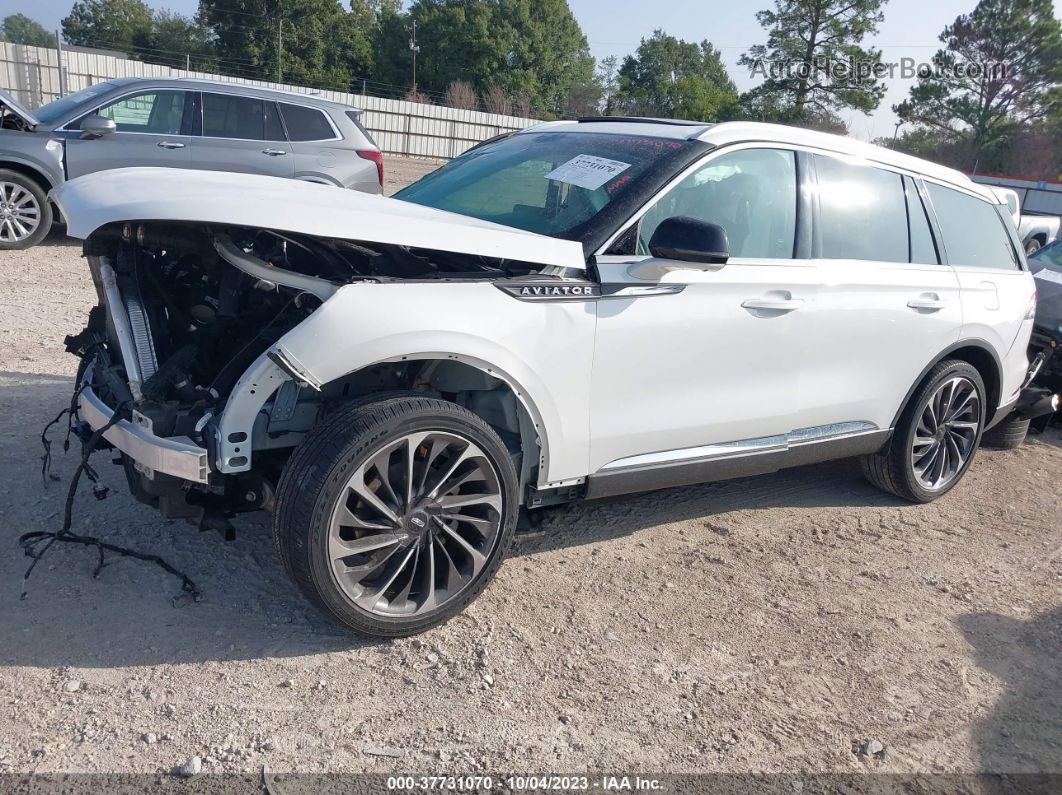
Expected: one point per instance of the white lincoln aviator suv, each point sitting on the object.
(574, 311)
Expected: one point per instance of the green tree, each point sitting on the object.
(20, 29)
(173, 37)
(680, 79)
(109, 24)
(998, 72)
(813, 63)
(314, 42)
(607, 74)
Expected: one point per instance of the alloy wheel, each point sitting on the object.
(20, 214)
(946, 434)
(415, 524)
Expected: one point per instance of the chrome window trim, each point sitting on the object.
(781, 145)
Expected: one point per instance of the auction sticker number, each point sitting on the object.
(588, 171)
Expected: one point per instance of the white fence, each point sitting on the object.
(31, 74)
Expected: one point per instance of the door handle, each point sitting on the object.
(773, 305)
(169, 145)
(931, 304)
(274, 152)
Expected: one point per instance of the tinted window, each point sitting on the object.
(159, 112)
(751, 194)
(1049, 257)
(306, 124)
(922, 249)
(973, 232)
(862, 212)
(228, 116)
(274, 130)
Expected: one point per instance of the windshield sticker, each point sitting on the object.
(1048, 275)
(587, 171)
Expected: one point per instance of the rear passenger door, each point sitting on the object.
(997, 293)
(242, 134)
(886, 307)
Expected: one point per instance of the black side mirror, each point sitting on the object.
(690, 240)
(97, 127)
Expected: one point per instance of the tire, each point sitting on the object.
(1031, 247)
(421, 558)
(25, 213)
(1008, 434)
(910, 472)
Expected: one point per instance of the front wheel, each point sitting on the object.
(394, 515)
(936, 437)
(25, 214)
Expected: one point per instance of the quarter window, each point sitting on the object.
(973, 231)
(244, 118)
(306, 124)
(159, 112)
(862, 212)
(750, 193)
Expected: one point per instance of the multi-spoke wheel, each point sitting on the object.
(25, 215)
(393, 515)
(936, 437)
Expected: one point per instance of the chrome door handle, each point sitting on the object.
(274, 152)
(773, 305)
(169, 145)
(932, 305)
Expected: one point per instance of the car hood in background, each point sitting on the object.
(289, 205)
(1048, 298)
(18, 108)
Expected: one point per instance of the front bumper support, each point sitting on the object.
(178, 456)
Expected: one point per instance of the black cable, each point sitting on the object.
(32, 540)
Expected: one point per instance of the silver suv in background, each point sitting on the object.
(173, 123)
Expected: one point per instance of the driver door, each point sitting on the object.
(703, 355)
(153, 130)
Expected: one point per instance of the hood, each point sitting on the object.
(1048, 298)
(18, 108)
(290, 205)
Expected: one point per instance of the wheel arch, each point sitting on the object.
(980, 355)
(28, 171)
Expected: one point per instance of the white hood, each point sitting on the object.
(289, 205)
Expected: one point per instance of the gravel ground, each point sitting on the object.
(774, 624)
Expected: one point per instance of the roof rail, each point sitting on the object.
(643, 120)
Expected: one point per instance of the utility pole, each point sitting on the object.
(415, 48)
(62, 67)
(280, 50)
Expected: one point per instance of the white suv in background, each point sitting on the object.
(577, 310)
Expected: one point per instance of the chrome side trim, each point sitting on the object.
(178, 456)
(743, 447)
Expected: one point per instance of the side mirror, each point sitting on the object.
(97, 127)
(690, 240)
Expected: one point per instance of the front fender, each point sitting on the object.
(544, 351)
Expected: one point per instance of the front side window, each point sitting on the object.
(157, 112)
(306, 124)
(972, 229)
(750, 193)
(862, 211)
(243, 118)
(553, 183)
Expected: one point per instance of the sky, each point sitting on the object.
(615, 27)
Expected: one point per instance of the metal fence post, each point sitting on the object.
(62, 71)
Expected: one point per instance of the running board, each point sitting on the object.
(726, 461)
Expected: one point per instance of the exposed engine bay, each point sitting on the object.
(185, 309)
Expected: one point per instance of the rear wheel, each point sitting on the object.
(1008, 434)
(936, 438)
(25, 214)
(392, 516)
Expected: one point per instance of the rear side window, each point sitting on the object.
(973, 232)
(229, 116)
(922, 248)
(355, 117)
(862, 212)
(306, 124)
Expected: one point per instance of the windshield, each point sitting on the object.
(553, 183)
(55, 110)
(1049, 257)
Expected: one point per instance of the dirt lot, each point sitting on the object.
(771, 624)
